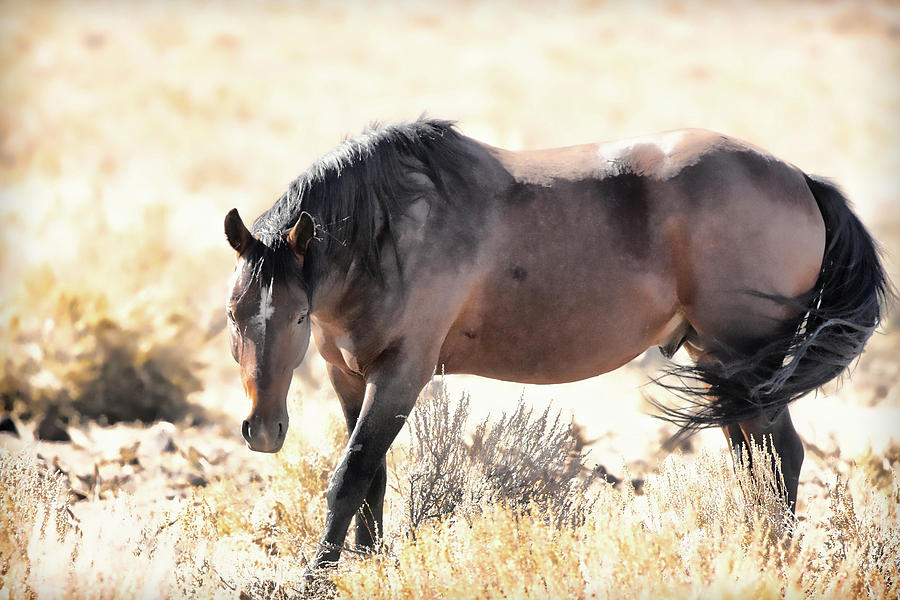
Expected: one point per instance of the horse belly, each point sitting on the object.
(529, 336)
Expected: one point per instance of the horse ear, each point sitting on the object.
(237, 233)
(302, 233)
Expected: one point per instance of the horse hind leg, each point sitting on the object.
(775, 432)
(735, 438)
(773, 428)
(778, 430)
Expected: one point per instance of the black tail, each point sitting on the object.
(841, 312)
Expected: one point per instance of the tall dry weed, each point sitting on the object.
(32, 504)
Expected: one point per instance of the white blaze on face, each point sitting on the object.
(266, 309)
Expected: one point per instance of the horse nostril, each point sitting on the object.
(280, 429)
(245, 430)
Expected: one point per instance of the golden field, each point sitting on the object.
(127, 131)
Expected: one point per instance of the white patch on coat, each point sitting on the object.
(266, 309)
(656, 156)
(669, 141)
(613, 152)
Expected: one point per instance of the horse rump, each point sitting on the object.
(840, 313)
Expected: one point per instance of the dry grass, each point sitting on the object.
(700, 528)
(127, 132)
(691, 535)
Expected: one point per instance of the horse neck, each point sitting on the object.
(334, 283)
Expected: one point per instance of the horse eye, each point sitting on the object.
(230, 315)
(301, 319)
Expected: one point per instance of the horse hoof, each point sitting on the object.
(316, 582)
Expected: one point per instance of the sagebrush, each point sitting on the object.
(523, 460)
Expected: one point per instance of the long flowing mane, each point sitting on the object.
(355, 191)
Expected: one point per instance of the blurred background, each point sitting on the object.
(128, 130)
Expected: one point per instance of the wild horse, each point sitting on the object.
(413, 247)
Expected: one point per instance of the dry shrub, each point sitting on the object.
(114, 554)
(528, 462)
(435, 474)
(533, 463)
(78, 358)
(878, 467)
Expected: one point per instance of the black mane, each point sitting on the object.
(355, 191)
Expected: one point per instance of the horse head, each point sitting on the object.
(268, 309)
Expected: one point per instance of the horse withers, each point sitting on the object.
(413, 248)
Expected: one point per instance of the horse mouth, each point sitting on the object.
(259, 440)
(266, 449)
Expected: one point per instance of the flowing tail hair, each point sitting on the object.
(841, 312)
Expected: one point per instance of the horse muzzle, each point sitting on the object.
(264, 435)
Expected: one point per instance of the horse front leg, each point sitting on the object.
(392, 387)
(351, 390)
